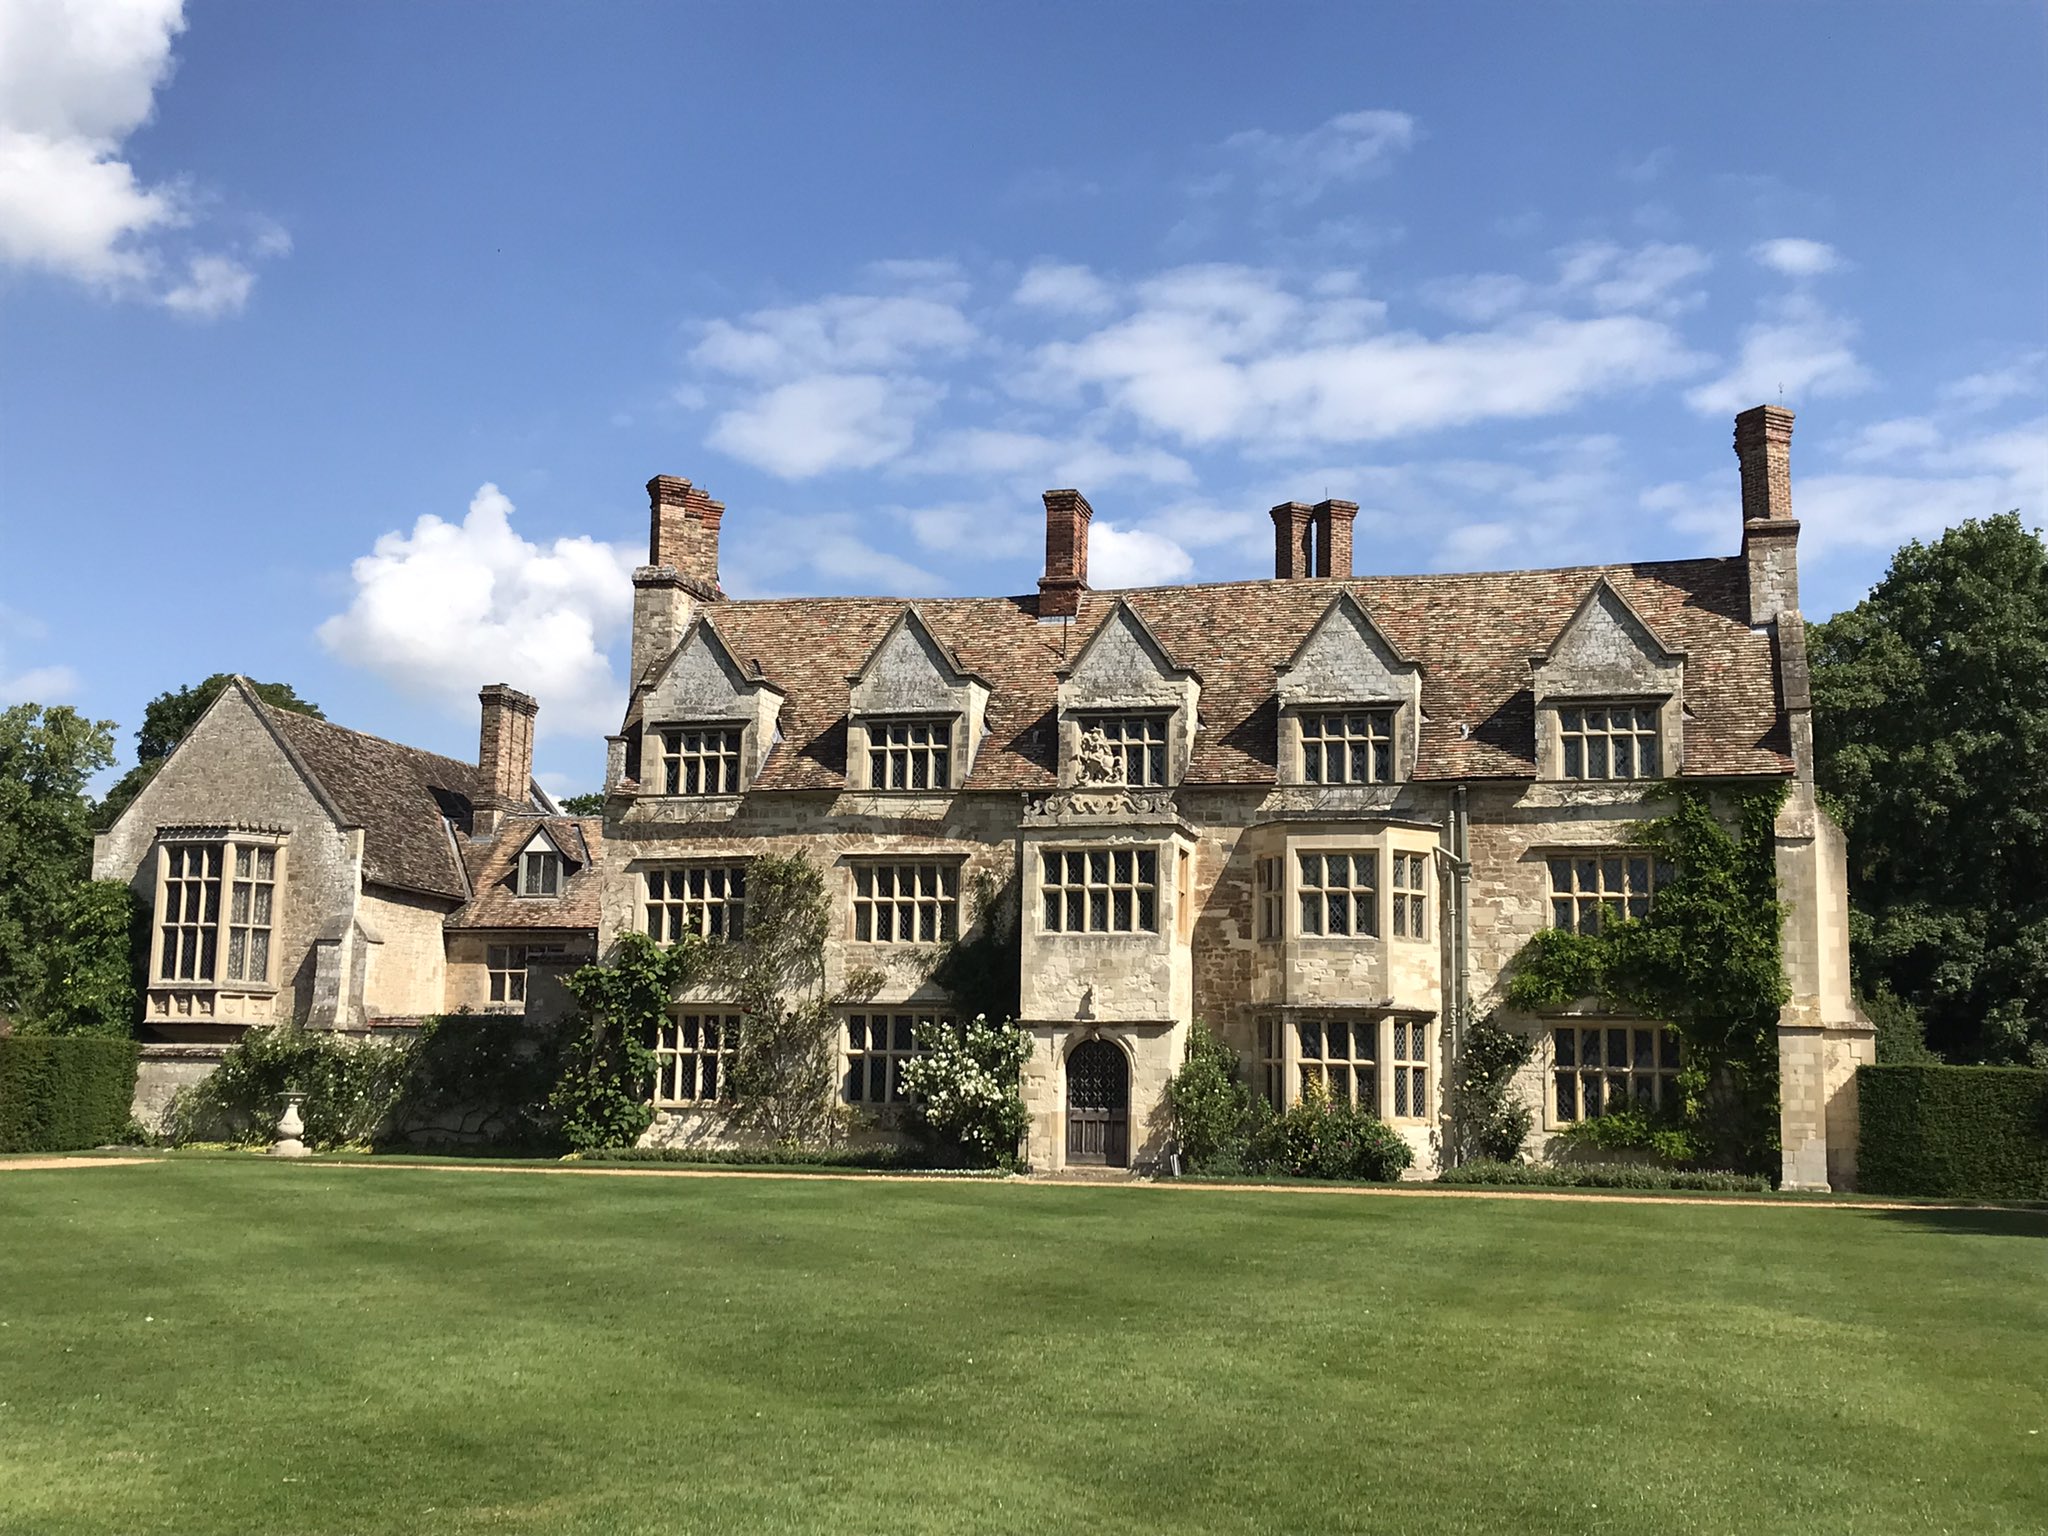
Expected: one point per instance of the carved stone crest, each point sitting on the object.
(1098, 764)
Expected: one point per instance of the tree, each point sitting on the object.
(1931, 742)
(47, 753)
(166, 720)
(591, 804)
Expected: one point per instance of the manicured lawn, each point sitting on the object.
(240, 1346)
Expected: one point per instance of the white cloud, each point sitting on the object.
(213, 285)
(1300, 167)
(451, 606)
(830, 421)
(1133, 557)
(836, 380)
(1995, 386)
(816, 552)
(1792, 257)
(1063, 289)
(1798, 349)
(38, 685)
(76, 79)
(1083, 460)
(843, 333)
(1218, 354)
(1611, 278)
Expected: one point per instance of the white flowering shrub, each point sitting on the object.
(965, 1080)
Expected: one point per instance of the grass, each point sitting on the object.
(231, 1345)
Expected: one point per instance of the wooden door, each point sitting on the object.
(1098, 1105)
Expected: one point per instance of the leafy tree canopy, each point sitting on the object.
(591, 804)
(169, 716)
(47, 753)
(1931, 740)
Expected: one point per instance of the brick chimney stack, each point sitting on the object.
(1067, 516)
(1293, 540)
(682, 567)
(1770, 533)
(1332, 521)
(504, 754)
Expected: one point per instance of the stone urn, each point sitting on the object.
(289, 1128)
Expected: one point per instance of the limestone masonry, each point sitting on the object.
(1318, 812)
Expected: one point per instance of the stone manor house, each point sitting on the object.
(1319, 812)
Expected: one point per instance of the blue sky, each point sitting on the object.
(336, 342)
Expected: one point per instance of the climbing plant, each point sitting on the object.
(1487, 1120)
(602, 1097)
(979, 969)
(1707, 961)
(784, 1077)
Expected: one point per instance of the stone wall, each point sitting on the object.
(407, 960)
(231, 768)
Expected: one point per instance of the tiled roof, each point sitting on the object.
(1474, 636)
(491, 874)
(402, 798)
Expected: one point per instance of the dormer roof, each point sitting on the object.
(914, 623)
(1124, 619)
(1605, 604)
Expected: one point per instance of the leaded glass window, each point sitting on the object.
(1609, 741)
(1347, 747)
(1339, 894)
(1100, 890)
(1601, 1070)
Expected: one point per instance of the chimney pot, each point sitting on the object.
(1067, 516)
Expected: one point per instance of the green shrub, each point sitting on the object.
(59, 1093)
(964, 1083)
(1967, 1133)
(1487, 1120)
(351, 1089)
(1212, 1109)
(1486, 1171)
(876, 1158)
(1665, 1137)
(1319, 1138)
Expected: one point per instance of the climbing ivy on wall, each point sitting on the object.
(1708, 961)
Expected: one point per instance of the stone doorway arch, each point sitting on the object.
(1098, 1105)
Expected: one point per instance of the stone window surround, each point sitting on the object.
(541, 871)
(1384, 1061)
(228, 839)
(860, 744)
(713, 906)
(692, 1039)
(1603, 856)
(735, 765)
(1615, 739)
(1662, 1076)
(1386, 841)
(940, 895)
(1295, 738)
(1670, 708)
(508, 967)
(857, 1065)
(1160, 852)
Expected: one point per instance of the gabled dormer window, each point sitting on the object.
(1350, 703)
(540, 871)
(914, 713)
(1348, 746)
(699, 760)
(1139, 741)
(1609, 695)
(1609, 741)
(910, 754)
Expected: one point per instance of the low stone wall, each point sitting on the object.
(163, 1070)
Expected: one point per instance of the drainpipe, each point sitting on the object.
(1461, 917)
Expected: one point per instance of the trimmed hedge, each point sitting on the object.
(1966, 1133)
(874, 1159)
(60, 1093)
(1603, 1176)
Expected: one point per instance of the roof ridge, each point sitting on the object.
(1026, 599)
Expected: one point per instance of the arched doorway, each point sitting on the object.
(1098, 1105)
